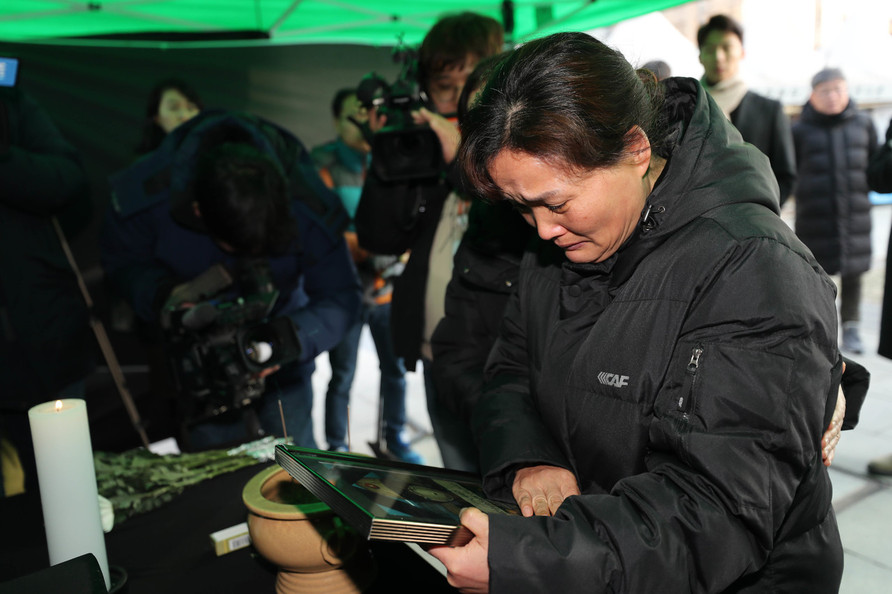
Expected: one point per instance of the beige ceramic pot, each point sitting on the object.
(312, 547)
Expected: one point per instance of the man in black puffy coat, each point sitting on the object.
(834, 141)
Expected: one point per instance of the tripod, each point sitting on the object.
(105, 346)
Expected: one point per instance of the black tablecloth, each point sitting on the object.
(169, 550)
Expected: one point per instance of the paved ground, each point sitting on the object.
(863, 504)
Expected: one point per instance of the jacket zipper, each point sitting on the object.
(686, 400)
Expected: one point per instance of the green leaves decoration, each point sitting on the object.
(137, 481)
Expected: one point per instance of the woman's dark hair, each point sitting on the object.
(152, 133)
(476, 80)
(454, 37)
(566, 98)
(243, 197)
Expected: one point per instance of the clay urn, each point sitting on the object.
(315, 551)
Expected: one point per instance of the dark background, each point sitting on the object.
(97, 96)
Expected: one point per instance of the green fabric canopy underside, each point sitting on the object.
(216, 22)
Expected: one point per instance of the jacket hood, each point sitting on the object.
(166, 174)
(217, 127)
(708, 165)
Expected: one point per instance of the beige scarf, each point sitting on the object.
(727, 93)
(450, 229)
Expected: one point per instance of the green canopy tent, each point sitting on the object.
(368, 22)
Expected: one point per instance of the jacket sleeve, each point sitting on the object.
(783, 156)
(855, 384)
(734, 463)
(484, 274)
(463, 338)
(506, 422)
(333, 293)
(40, 172)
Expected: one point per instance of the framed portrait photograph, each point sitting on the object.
(388, 500)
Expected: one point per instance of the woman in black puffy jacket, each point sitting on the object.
(668, 359)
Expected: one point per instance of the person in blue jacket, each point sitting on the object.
(229, 188)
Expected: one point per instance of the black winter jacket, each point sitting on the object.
(483, 277)
(45, 338)
(832, 205)
(879, 174)
(763, 123)
(686, 381)
(879, 170)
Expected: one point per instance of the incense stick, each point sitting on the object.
(282, 415)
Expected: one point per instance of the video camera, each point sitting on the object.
(402, 150)
(219, 347)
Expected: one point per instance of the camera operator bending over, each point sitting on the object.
(235, 190)
(410, 201)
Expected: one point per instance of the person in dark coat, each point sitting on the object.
(668, 360)
(879, 177)
(834, 141)
(234, 189)
(484, 273)
(46, 347)
(427, 215)
(760, 120)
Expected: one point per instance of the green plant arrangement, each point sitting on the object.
(138, 481)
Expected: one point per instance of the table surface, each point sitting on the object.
(169, 549)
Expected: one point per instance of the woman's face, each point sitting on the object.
(587, 215)
(174, 109)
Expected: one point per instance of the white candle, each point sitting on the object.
(67, 478)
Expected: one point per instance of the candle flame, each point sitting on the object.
(58, 405)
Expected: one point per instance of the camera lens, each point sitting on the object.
(259, 352)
